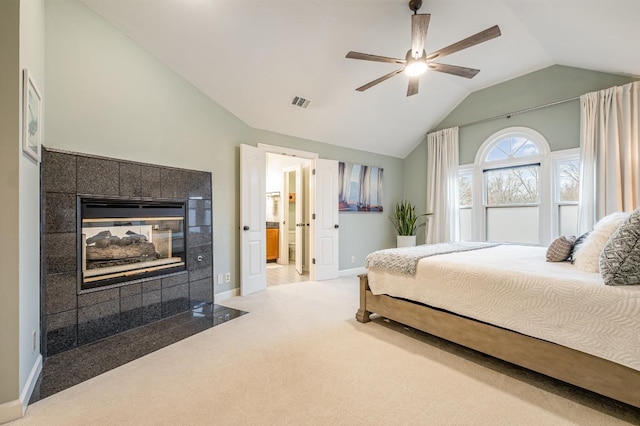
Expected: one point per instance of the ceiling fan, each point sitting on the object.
(417, 61)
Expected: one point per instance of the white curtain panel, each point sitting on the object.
(610, 151)
(442, 181)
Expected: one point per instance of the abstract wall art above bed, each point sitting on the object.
(360, 188)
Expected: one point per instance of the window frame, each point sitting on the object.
(479, 207)
(556, 158)
(467, 169)
(549, 204)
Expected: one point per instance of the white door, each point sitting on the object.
(300, 225)
(324, 226)
(253, 217)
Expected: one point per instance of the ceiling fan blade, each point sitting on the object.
(454, 69)
(367, 57)
(478, 38)
(379, 80)
(413, 85)
(419, 26)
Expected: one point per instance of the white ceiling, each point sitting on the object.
(253, 56)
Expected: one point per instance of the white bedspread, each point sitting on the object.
(515, 288)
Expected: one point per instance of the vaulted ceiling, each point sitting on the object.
(253, 56)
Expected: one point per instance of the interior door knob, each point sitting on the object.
(336, 226)
(246, 228)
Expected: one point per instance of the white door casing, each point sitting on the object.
(306, 170)
(324, 227)
(284, 222)
(297, 218)
(253, 248)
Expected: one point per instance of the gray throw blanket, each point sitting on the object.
(405, 260)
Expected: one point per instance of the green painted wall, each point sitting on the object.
(9, 175)
(559, 124)
(108, 96)
(415, 178)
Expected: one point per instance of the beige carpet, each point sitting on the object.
(300, 358)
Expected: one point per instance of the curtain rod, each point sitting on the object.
(522, 111)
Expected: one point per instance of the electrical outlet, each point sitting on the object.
(353, 259)
(227, 277)
(33, 341)
(220, 279)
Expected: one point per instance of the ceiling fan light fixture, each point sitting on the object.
(415, 67)
(417, 61)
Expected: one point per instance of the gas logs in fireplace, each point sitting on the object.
(122, 240)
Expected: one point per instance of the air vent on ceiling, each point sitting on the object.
(300, 102)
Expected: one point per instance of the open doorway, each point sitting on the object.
(323, 208)
(288, 218)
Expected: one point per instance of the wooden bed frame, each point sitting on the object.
(578, 368)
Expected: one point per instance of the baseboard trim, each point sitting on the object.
(31, 383)
(226, 295)
(351, 272)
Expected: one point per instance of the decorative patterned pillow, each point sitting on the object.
(560, 248)
(620, 258)
(587, 258)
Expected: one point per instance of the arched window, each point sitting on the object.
(518, 191)
(511, 147)
(512, 174)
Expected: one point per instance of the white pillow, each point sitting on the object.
(588, 256)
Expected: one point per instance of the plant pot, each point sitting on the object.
(406, 240)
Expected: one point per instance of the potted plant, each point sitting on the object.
(405, 220)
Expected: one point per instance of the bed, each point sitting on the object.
(506, 301)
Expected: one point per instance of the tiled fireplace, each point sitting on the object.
(155, 263)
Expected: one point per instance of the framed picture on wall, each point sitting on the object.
(31, 117)
(360, 188)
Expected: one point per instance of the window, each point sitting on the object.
(511, 165)
(465, 202)
(513, 185)
(567, 191)
(518, 191)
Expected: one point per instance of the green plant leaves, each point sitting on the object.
(404, 218)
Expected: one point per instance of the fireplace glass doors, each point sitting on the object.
(122, 240)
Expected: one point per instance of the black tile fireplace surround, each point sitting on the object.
(71, 317)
